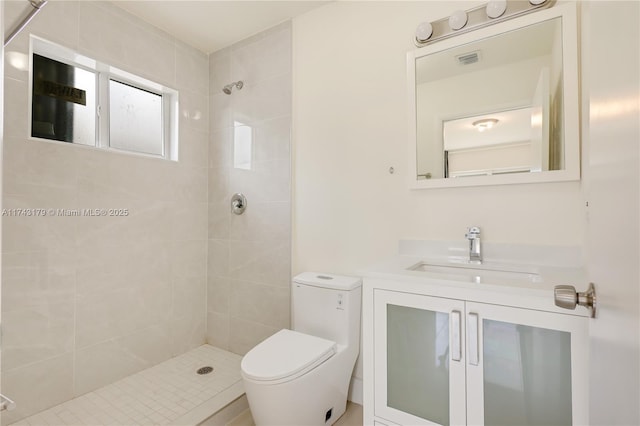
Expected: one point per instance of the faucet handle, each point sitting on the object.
(473, 232)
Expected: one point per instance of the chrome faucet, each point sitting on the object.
(475, 252)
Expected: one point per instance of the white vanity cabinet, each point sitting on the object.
(430, 358)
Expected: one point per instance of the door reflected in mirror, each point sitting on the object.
(492, 106)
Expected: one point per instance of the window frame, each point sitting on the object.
(104, 74)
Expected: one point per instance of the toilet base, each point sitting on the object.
(318, 398)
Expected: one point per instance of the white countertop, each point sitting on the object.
(534, 272)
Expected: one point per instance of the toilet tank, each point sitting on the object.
(327, 306)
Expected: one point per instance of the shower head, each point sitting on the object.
(227, 89)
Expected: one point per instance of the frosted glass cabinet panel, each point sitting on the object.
(526, 368)
(527, 375)
(419, 358)
(441, 361)
(418, 363)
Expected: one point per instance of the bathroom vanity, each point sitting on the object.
(450, 342)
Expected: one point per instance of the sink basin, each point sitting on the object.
(479, 272)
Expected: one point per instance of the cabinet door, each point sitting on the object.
(525, 367)
(418, 359)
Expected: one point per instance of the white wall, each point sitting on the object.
(350, 126)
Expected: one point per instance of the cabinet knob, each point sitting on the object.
(566, 296)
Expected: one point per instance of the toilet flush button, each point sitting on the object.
(340, 302)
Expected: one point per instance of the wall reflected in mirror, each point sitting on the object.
(493, 106)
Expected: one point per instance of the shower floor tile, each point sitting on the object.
(159, 395)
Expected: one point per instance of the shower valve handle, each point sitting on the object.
(238, 203)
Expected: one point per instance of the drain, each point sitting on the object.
(204, 370)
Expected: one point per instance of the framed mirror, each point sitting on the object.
(498, 105)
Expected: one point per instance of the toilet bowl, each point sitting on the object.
(301, 377)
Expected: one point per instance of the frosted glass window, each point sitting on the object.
(527, 375)
(63, 106)
(418, 362)
(79, 100)
(135, 121)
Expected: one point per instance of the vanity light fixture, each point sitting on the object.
(462, 21)
(496, 8)
(458, 20)
(485, 124)
(424, 31)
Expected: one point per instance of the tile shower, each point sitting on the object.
(88, 301)
(249, 255)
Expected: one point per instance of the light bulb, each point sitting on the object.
(458, 19)
(496, 8)
(424, 32)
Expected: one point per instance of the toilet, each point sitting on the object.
(300, 377)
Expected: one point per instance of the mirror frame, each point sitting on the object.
(571, 105)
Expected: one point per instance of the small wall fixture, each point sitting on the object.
(481, 16)
(237, 84)
(485, 124)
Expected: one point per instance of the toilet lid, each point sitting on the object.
(285, 354)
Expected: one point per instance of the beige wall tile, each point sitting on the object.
(194, 147)
(220, 105)
(34, 163)
(262, 100)
(194, 110)
(266, 181)
(188, 258)
(188, 333)
(189, 185)
(252, 249)
(189, 297)
(109, 35)
(221, 148)
(218, 333)
(218, 291)
(189, 222)
(220, 190)
(60, 25)
(262, 221)
(109, 361)
(244, 335)
(265, 262)
(220, 219)
(119, 294)
(38, 386)
(273, 139)
(35, 232)
(115, 293)
(219, 70)
(260, 303)
(16, 109)
(218, 258)
(37, 278)
(263, 58)
(36, 333)
(192, 69)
